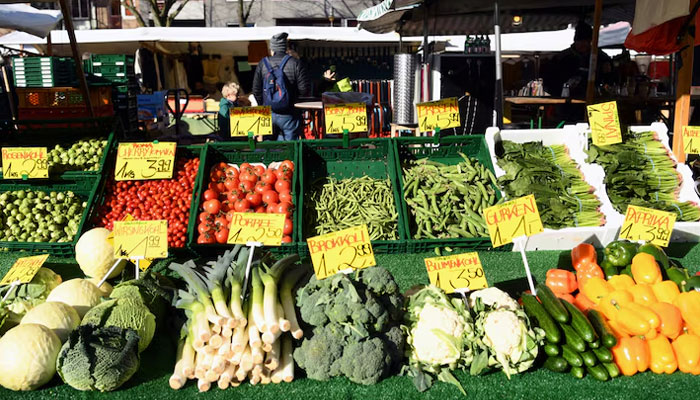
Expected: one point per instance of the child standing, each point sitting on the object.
(229, 100)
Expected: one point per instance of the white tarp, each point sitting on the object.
(25, 18)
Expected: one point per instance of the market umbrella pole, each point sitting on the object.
(498, 98)
(68, 20)
(593, 64)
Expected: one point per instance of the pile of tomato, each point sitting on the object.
(167, 199)
(246, 188)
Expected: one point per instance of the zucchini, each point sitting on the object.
(535, 310)
(551, 349)
(573, 339)
(601, 326)
(603, 355)
(552, 304)
(556, 364)
(577, 372)
(612, 369)
(589, 358)
(594, 344)
(571, 356)
(580, 323)
(598, 372)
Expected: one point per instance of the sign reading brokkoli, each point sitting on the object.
(141, 239)
(348, 249)
(513, 219)
(140, 161)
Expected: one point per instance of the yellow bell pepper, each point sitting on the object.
(689, 304)
(595, 288)
(687, 350)
(649, 316)
(621, 282)
(662, 359)
(617, 329)
(645, 269)
(609, 304)
(643, 294)
(671, 320)
(631, 354)
(666, 291)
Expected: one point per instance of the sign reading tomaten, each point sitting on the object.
(647, 224)
(348, 249)
(256, 227)
(691, 139)
(346, 116)
(443, 114)
(513, 219)
(24, 269)
(605, 124)
(460, 271)
(251, 119)
(19, 162)
(141, 239)
(140, 161)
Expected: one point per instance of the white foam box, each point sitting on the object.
(574, 137)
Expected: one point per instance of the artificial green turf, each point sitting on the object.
(151, 382)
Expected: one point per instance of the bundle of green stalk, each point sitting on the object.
(639, 171)
(227, 339)
(341, 204)
(564, 199)
(447, 201)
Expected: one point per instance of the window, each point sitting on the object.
(80, 9)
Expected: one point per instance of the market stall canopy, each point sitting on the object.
(656, 29)
(25, 18)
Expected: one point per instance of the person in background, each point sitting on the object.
(287, 121)
(229, 100)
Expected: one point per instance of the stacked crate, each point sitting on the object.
(37, 72)
(117, 70)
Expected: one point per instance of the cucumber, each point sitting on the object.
(580, 323)
(573, 339)
(556, 364)
(612, 369)
(552, 349)
(594, 344)
(601, 326)
(577, 372)
(603, 355)
(571, 356)
(598, 372)
(552, 304)
(589, 358)
(534, 310)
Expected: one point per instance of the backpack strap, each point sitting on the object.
(284, 61)
(267, 64)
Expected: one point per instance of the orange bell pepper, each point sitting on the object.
(561, 281)
(631, 354)
(689, 304)
(643, 294)
(662, 359)
(687, 350)
(648, 315)
(595, 288)
(582, 256)
(582, 302)
(671, 320)
(666, 291)
(608, 304)
(621, 282)
(565, 296)
(645, 269)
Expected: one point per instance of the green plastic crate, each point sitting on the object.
(446, 150)
(240, 152)
(363, 157)
(112, 59)
(85, 188)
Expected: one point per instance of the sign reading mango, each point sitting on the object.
(443, 114)
(512, 219)
(267, 229)
(460, 271)
(257, 120)
(347, 116)
(605, 123)
(19, 162)
(140, 161)
(24, 269)
(348, 249)
(647, 224)
(691, 139)
(141, 239)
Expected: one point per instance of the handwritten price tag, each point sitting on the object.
(691, 139)
(24, 269)
(31, 162)
(141, 239)
(441, 114)
(143, 264)
(605, 123)
(461, 271)
(140, 161)
(251, 119)
(348, 116)
(647, 224)
(256, 227)
(512, 219)
(341, 250)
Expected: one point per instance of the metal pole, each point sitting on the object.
(68, 20)
(593, 64)
(498, 98)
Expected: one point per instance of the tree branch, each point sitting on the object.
(171, 17)
(130, 6)
(247, 13)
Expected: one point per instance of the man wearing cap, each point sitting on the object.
(288, 122)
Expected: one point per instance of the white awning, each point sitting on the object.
(25, 18)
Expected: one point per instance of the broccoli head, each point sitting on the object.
(320, 355)
(379, 280)
(395, 339)
(366, 362)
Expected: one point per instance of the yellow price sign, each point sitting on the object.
(460, 271)
(24, 269)
(348, 249)
(267, 229)
(251, 119)
(691, 139)
(140, 161)
(19, 162)
(605, 123)
(647, 224)
(141, 239)
(513, 219)
(347, 116)
(443, 114)
(143, 264)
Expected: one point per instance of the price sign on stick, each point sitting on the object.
(19, 162)
(691, 139)
(347, 116)
(140, 161)
(512, 219)
(256, 227)
(348, 249)
(145, 263)
(141, 239)
(24, 269)
(605, 123)
(461, 271)
(441, 114)
(251, 119)
(648, 224)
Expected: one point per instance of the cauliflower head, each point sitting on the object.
(494, 298)
(437, 337)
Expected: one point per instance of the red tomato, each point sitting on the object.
(259, 170)
(217, 187)
(205, 216)
(222, 235)
(246, 186)
(231, 184)
(226, 206)
(231, 173)
(260, 209)
(279, 174)
(288, 226)
(221, 166)
(268, 177)
(245, 167)
(206, 239)
(282, 186)
(241, 205)
(271, 208)
(288, 165)
(229, 216)
(210, 194)
(255, 199)
(233, 196)
(269, 197)
(261, 187)
(212, 206)
(287, 239)
(285, 208)
(285, 197)
(203, 227)
(221, 222)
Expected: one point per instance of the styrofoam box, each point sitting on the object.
(574, 137)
